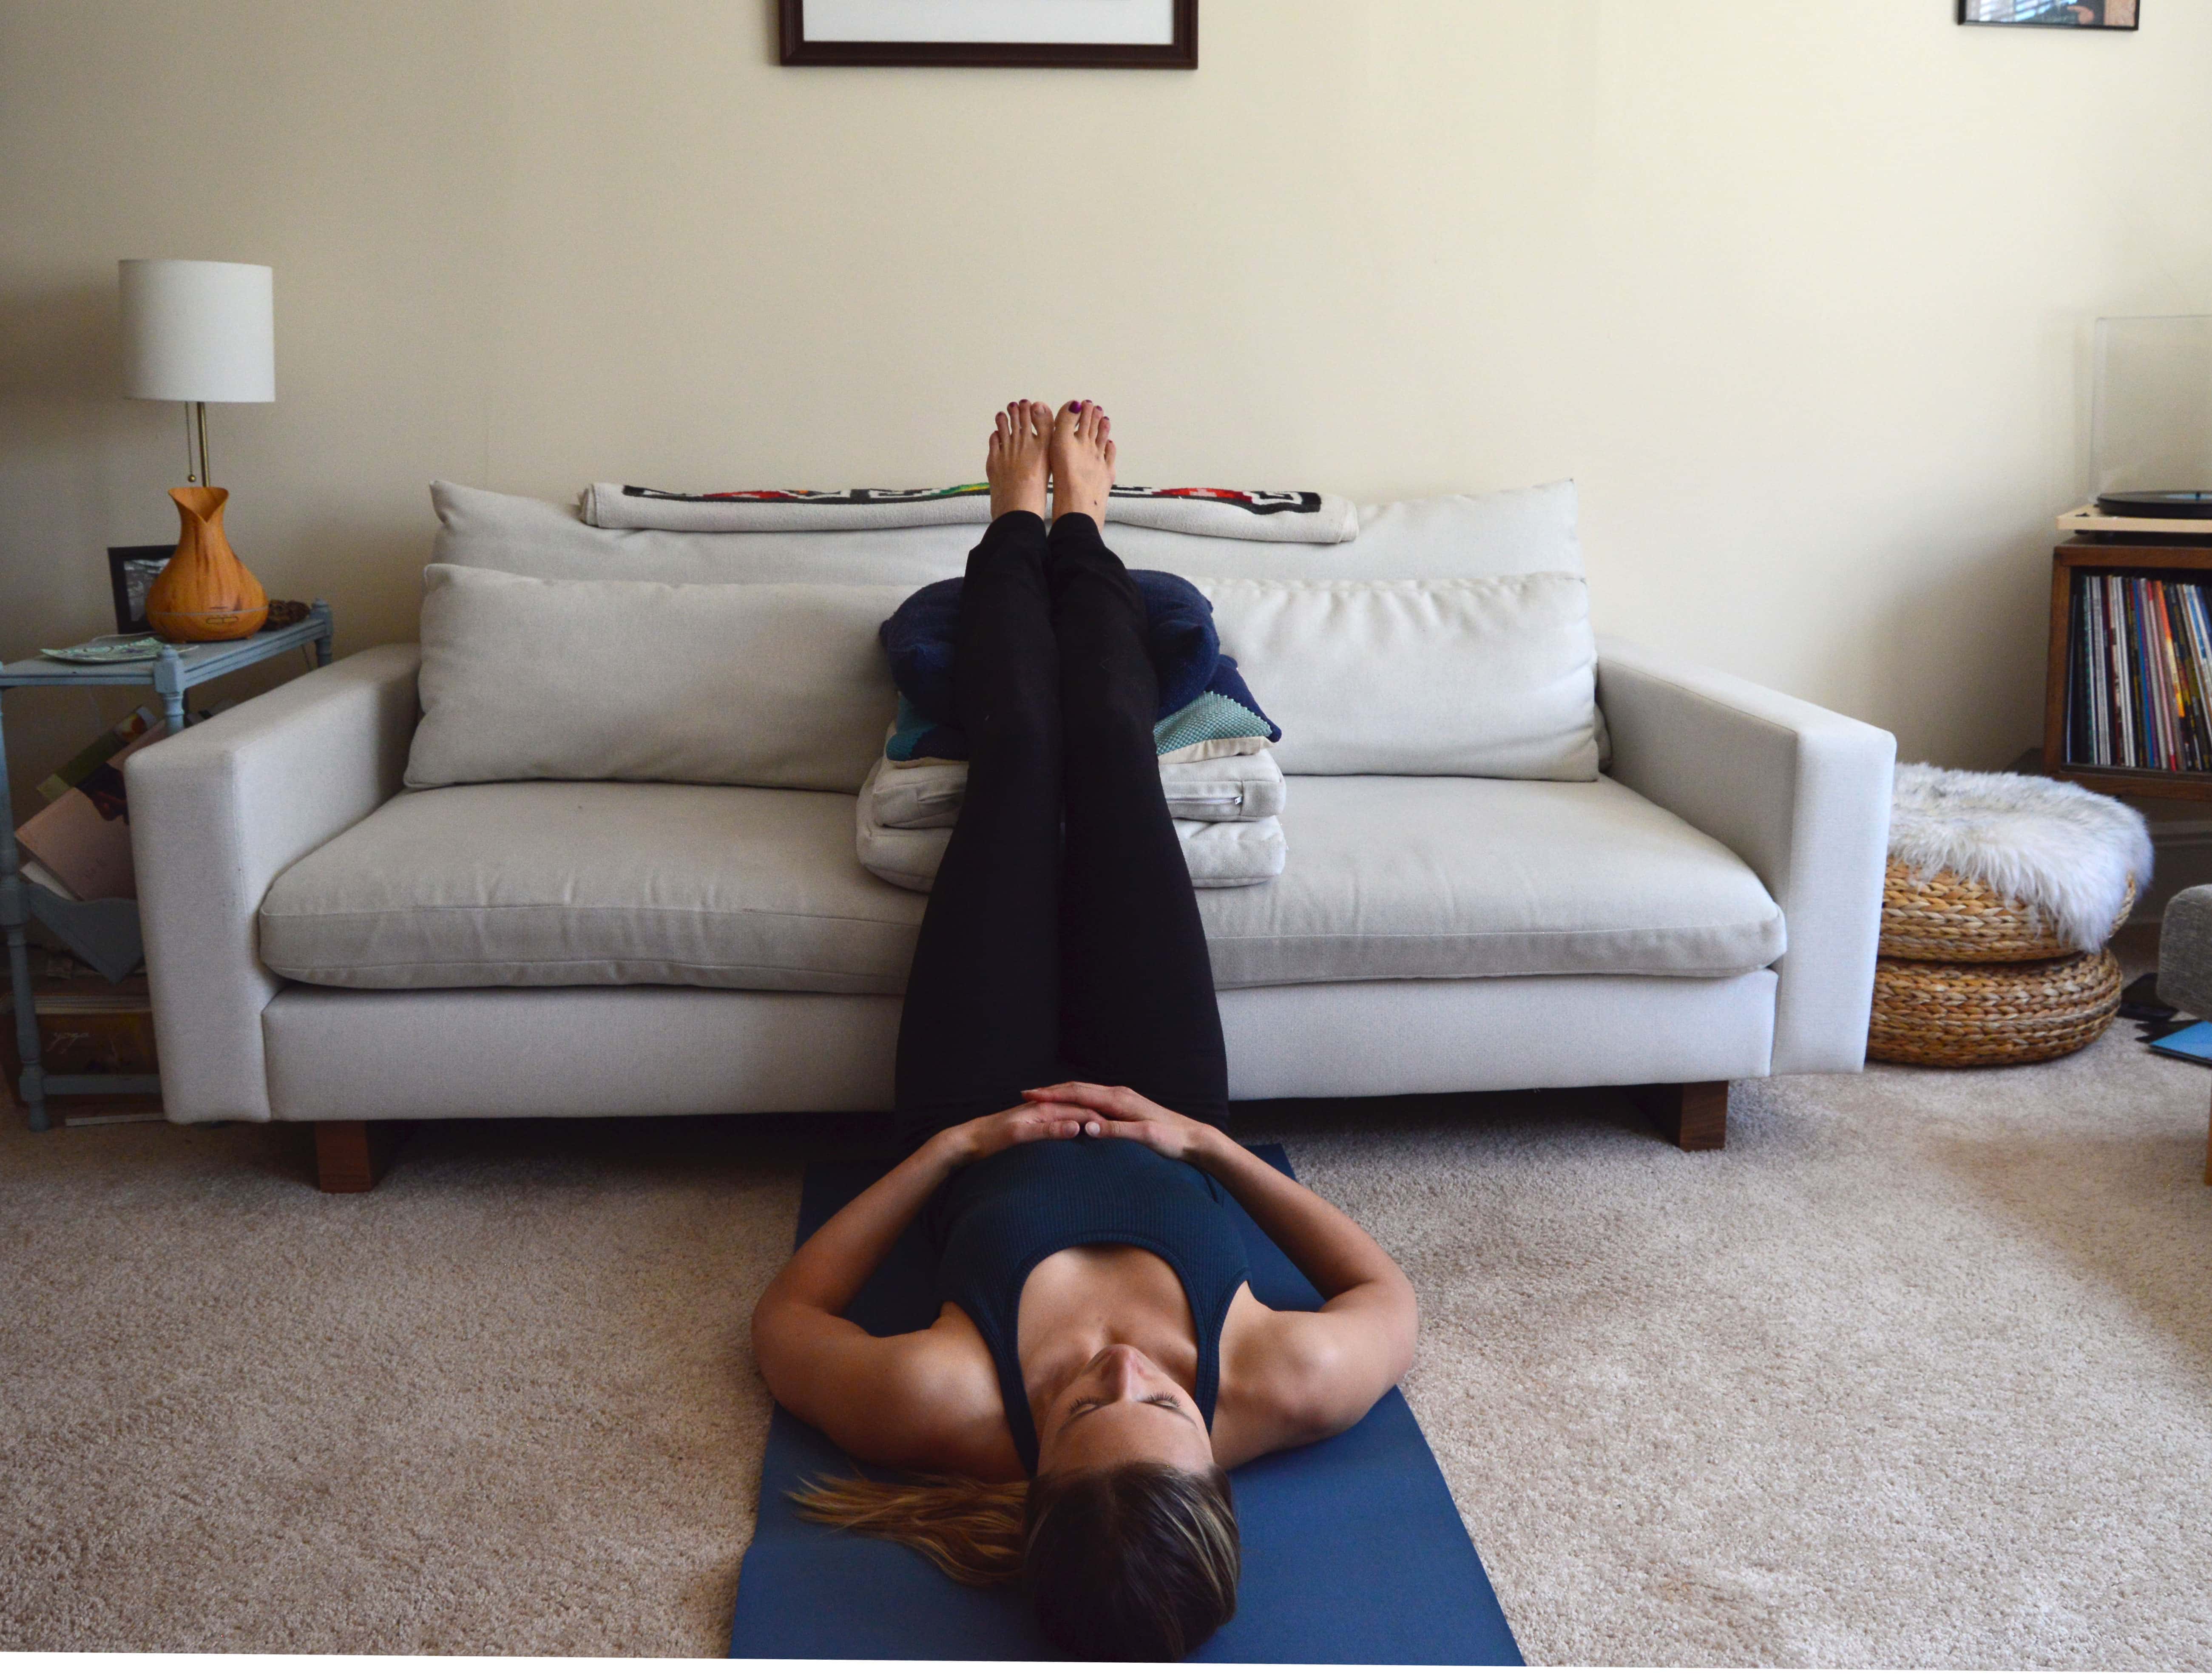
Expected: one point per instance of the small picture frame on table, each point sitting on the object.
(131, 571)
(2053, 14)
(1094, 34)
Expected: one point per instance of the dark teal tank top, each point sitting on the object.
(994, 1221)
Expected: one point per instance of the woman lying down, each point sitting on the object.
(1100, 1361)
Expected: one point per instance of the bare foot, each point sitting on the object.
(1015, 463)
(1082, 455)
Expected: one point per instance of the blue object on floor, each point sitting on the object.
(1353, 1552)
(2193, 1043)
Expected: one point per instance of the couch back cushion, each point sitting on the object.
(1366, 654)
(1513, 532)
(781, 685)
(1492, 678)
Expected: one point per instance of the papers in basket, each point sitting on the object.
(81, 838)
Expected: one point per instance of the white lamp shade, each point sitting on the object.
(199, 331)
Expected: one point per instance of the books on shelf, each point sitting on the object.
(2139, 675)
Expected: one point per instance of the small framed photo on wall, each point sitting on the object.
(1097, 34)
(2053, 14)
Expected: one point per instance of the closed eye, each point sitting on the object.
(1092, 1404)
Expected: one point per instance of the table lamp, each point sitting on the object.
(198, 332)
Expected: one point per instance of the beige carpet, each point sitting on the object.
(1917, 1373)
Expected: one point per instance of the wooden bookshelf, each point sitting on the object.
(2124, 558)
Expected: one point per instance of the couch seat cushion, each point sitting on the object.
(733, 887)
(558, 883)
(1444, 877)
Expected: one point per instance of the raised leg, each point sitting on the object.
(1137, 1002)
(981, 1016)
(1692, 1114)
(350, 1157)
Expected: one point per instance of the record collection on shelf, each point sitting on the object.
(2127, 693)
(2139, 674)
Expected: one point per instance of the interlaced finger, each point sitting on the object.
(1110, 1101)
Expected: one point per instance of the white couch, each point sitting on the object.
(326, 948)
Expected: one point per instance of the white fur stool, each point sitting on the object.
(2002, 893)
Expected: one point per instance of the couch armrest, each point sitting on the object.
(1800, 793)
(215, 813)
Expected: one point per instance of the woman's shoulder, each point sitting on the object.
(1285, 1380)
(955, 1416)
(918, 1401)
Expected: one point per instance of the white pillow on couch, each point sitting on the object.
(1489, 677)
(760, 684)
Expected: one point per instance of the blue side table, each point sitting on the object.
(174, 672)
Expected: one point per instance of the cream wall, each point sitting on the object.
(1799, 291)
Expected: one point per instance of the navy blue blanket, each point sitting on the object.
(1179, 634)
(1353, 1552)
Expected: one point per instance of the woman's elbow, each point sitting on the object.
(772, 1333)
(1409, 1329)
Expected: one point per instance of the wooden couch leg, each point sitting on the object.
(350, 1157)
(1692, 1114)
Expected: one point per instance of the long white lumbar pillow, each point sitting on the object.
(1242, 514)
(1221, 854)
(920, 797)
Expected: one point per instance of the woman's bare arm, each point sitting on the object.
(1331, 1249)
(871, 1395)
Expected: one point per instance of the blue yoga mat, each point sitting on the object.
(1353, 1552)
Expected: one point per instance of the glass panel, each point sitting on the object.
(2153, 425)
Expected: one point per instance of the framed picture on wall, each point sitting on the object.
(2053, 14)
(1099, 35)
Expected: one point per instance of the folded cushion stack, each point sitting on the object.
(1225, 811)
(1224, 790)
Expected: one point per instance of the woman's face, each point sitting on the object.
(1121, 1408)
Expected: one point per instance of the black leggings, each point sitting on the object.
(1062, 938)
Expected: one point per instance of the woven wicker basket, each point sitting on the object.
(1949, 917)
(1959, 1014)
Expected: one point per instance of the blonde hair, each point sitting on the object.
(1136, 1562)
(973, 1532)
